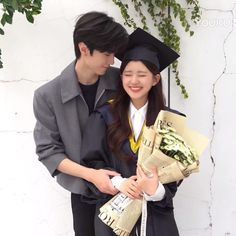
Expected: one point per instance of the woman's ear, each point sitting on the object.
(156, 79)
(83, 48)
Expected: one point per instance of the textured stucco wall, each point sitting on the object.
(31, 202)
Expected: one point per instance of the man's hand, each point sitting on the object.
(100, 178)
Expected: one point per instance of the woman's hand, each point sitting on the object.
(130, 188)
(147, 184)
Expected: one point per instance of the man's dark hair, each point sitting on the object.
(99, 31)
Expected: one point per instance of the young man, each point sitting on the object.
(62, 107)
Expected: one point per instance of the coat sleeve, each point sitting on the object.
(49, 146)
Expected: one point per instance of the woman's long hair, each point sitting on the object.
(120, 130)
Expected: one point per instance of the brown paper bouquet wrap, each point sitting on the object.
(170, 146)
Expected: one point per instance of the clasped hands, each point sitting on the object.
(135, 186)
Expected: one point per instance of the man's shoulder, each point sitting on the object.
(115, 69)
(50, 87)
(53, 86)
(110, 78)
(111, 71)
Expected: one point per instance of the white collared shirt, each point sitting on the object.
(137, 117)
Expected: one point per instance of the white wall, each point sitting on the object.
(32, 203)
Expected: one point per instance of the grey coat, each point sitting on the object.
(61, 113)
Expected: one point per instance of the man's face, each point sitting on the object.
(99, 62)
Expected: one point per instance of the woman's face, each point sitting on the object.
(137, 81)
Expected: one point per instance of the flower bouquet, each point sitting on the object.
(170, 146)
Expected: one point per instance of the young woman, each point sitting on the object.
(113, 135)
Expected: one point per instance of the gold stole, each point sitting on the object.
(134, 145)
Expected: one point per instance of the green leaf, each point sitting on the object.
(8, 19)
(1, 31)
(29, 17)
(1, 66)
(14, 5)
(10, 10)
(3, 20)
(36, 12)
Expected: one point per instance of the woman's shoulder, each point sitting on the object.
(105, 112)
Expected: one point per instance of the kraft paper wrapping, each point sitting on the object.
(121, 213)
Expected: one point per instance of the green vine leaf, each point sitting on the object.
(15, 5)
(28, 7)
(0, 59)
(1, 31)
(29, 17)
(164, 14)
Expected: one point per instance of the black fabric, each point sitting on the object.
(83, 216)
(96, 154)
(143, 46)
(89, 94)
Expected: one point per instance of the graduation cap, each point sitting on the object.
(143, 46)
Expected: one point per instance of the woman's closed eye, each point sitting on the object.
(137, 75)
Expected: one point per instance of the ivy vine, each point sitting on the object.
(162, 13)
(28, 7)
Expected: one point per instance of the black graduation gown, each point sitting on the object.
(96, 154)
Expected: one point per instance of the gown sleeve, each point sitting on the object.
(94, 150)
(167, 201)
